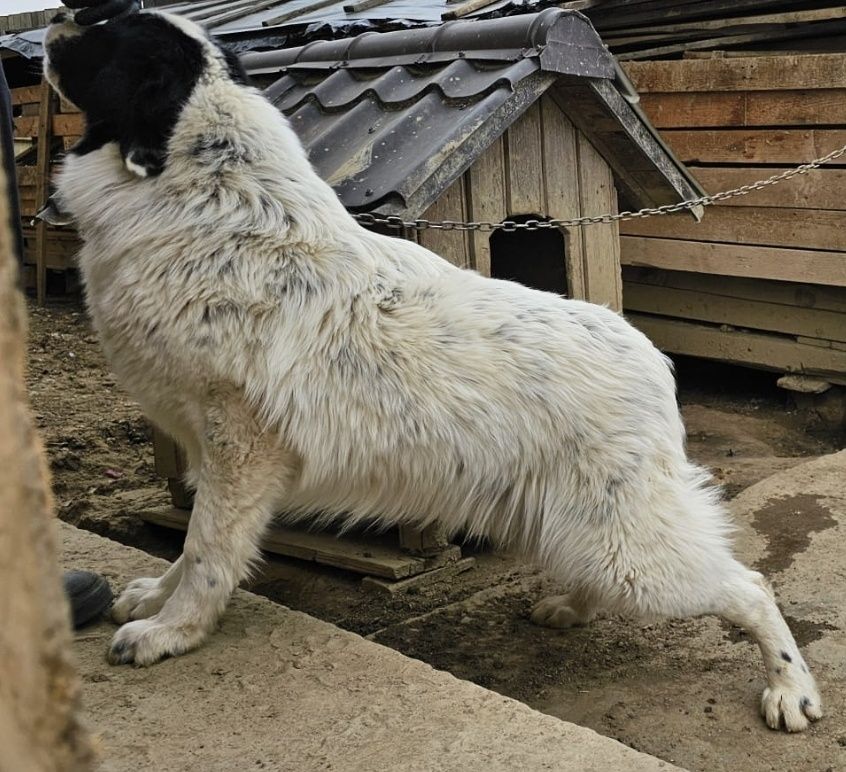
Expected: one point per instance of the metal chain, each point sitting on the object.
(393, 221)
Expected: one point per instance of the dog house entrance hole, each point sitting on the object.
(534, 258)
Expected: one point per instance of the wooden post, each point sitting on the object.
(39, 689)
(42, 185)
(427, 541)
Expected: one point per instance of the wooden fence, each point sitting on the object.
(762, 279)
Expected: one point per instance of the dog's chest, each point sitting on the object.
(137, 321)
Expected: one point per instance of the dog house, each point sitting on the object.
(527, 116)
(515, 118)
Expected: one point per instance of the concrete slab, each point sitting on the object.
(276, 689)
(683, 690)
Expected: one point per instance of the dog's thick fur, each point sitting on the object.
(308, 365)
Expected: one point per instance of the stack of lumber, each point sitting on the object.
(653, 29)
(762, 279)
(50, 126)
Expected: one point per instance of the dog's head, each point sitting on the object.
(131, 78)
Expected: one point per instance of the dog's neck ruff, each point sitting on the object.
(232, 156)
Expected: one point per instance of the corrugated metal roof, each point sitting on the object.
(228, 16)
(391, 119)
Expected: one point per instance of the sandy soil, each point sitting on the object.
(615, 677)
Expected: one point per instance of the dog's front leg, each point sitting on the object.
(144, 597)
(241, 474)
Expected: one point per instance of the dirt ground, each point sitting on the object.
(627, 681)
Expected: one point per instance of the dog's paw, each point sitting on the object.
(146, 641)
(141, 599)
(558, 612)
(791, 707)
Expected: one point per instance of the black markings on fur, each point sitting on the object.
(219, 152)
(212, 582)
(778, 671)
(198, 560)
(206, 315)
(786, 657)
(612, 485)
(266, 203)
(804, 702)
(131, 78)
(804, 668)
(390, 299)
(233, 65)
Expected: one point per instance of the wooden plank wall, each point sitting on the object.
(544, 166)
(746, 283)
(56, 247)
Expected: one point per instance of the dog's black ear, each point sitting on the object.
(147, 121)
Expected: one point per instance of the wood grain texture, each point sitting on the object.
(746, 108)
(788, 294)
(600, 243)
(753, 146)
(451, 245)
(771, 352)
(486, 186)
(797, 265)
(349, 553)
(818, 189)
(63, 124)
(803, 228)
(561, 187)
(718, 309)
(524, 164)
(767, 73)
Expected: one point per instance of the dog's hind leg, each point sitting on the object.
(791, 698)
(240, 478)
(673, 558)
(575, 608)
(741, 596)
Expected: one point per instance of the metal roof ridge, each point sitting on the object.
(551, 35)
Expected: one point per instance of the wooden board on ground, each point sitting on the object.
(364, 556)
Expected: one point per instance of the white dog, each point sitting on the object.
(308, 365)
